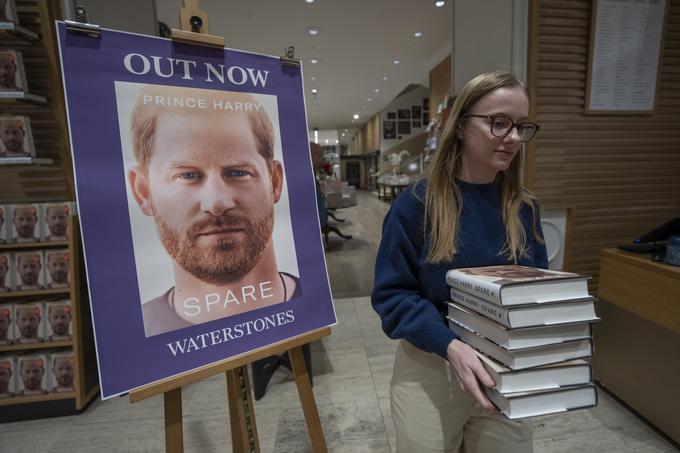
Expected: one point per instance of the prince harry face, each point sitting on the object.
(211, 192)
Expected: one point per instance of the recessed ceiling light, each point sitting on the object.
(356, 116)
(377, 90)
(345, 130)
(343, 134)
(337, 141)
(385, 77)
(370, 99)
(438, 3)
(397, 61)
(314, 91)
(309, 1)
(314, 60)
(313, 77)
(417, 34)
(326, 141)
(313, 31)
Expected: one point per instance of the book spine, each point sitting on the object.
(469, 284)
(488, 309)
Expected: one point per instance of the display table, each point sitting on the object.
(637, 344)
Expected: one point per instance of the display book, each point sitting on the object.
(44, 331)
(532, 329)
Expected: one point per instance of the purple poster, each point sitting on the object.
(197, 203)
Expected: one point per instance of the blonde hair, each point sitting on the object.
(443, 200)
(144, 117)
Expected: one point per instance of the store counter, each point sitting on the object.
(637, 344)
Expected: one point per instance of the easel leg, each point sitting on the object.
(244, 437)
(174, 441)
(312, 419)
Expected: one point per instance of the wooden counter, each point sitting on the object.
(637, 344)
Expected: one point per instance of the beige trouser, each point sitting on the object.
(432, 414)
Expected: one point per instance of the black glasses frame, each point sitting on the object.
(514, 125)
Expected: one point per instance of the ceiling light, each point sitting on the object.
(314, 60)
(313, 77)
(314, 91)
(356, 116)
(313, 31)
(385, 77)
(309, 1)
(418, 34)
(438, 3)
(397, 61)
(337, 141)
(377, 90)
(370, 99)
(326, 141)
(345, 130)
(343, 134)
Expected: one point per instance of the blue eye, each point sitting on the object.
(189, 175)
(236, 173)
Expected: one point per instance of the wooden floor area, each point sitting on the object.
(351, 262)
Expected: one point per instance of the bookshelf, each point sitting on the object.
(46, 178)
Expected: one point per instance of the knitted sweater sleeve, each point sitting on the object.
(395, 297)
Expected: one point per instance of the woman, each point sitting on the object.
(470, 210)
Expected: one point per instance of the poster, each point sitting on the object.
(196, 200)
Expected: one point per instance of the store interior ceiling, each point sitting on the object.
(356, 45)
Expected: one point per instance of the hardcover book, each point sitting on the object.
(33, 375)
(25, 225)
(571, 372)
(515, 285)
(528, 357)
(57, 264)
(8, 388)
(63, 371)
(13, 77)
(16, 138)
(59, 320)
(528, 315)
(542, 402)
(7, 335)
(6, 273)
(28, 270)
(525, 337)
(30, 325)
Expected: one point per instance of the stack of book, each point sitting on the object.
(532, 329)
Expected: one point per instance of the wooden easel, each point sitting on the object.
(244, 438)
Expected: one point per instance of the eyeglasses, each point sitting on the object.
(502, 126)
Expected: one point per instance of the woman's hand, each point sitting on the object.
(470, 372)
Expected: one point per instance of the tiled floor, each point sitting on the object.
(352, 369)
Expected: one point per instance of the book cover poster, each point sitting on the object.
(197, 203)
(25, 225)
(33, 374)
(16, 138)
(29, 323)
(12, 74)
(8, 387)
(8, 11)
(55, 221)
(29, 274)
(59, 320)
(511, 273)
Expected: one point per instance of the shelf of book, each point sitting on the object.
(33, 245)
(43, 345)
(35, 294)
(15, 161)
(23, 97)
(9, 29)
(36, 398)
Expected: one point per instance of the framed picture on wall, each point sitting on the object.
(416, 112)
(426, 104)
(391, 115)
(416, 124)
(404, 114)
(389, 130)
(426, 117)
(404, 127)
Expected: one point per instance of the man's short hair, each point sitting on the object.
(144, 117)
(20, 207)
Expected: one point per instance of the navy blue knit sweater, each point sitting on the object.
(410, 294)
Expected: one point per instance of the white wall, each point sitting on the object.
(413, 97)
(136, 16)
(488, 36)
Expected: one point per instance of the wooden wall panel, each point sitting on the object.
(440, 84)
(621, 174)
(23, 183)
(367, 139)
